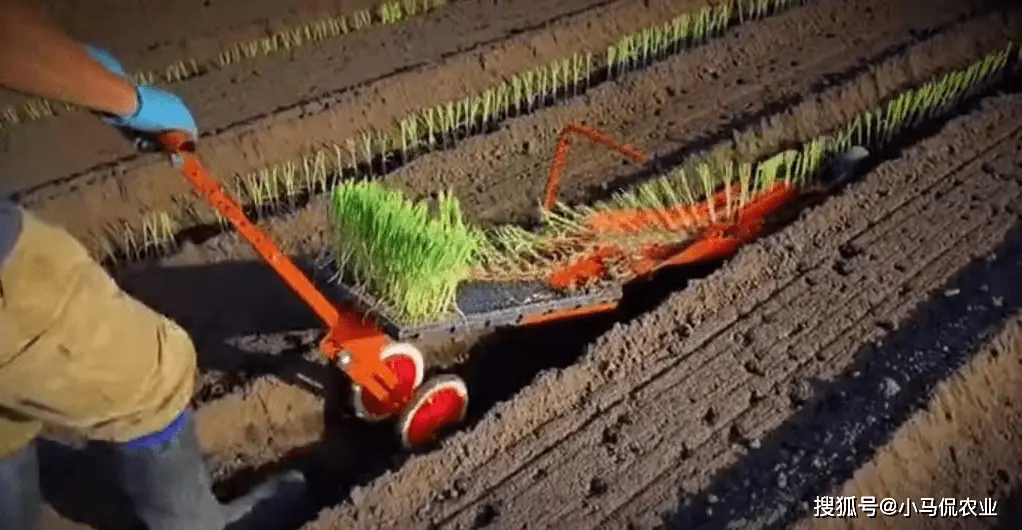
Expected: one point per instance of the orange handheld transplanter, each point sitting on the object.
(387, 376)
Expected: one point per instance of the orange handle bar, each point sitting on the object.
(180, 145)
(346, 330)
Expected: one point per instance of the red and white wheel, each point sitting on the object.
(438, 404)
(405, 361)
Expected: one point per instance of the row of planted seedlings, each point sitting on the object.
(375, 152)
(410, 257)
(280, 41)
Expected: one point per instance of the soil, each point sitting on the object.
(732, 395)
(511, 164)
(149, 34)
(968, 428)
(691, 412)
(292, 104)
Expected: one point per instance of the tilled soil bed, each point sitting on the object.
(962, 447)
(276, 108)
(660, 412)
(736, 395)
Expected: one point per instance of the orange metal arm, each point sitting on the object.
(267, 249)
(553, 182)
(724, 240)
(347, 331)
(715, 241)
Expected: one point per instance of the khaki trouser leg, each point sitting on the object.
(16, 432)
(79, 353)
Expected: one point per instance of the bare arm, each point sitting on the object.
(39, 59)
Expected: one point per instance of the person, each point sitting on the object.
(78, 353)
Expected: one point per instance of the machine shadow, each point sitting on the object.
(509, 359)
(244, 320)
(1009, 512)
(844, 421)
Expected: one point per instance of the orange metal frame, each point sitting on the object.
(355, 342)
(553, 182)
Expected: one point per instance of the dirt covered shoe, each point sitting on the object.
(275, 504)
(165, 477)
(167, 481)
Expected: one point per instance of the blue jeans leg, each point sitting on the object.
(21, 497)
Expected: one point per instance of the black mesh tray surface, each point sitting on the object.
(481, 305)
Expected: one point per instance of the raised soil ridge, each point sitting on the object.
(669, 386)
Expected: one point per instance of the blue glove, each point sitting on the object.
(104, 58)
(158, 110)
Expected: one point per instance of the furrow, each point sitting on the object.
(723, 90)
(620, 363)
(714, 393)
(292, 105)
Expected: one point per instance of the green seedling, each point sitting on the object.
(332, 26)
(496, 103)
(411, 256)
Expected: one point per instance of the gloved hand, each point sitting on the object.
(104, 58)
(158, 110)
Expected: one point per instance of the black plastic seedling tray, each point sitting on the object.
(481, 305)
